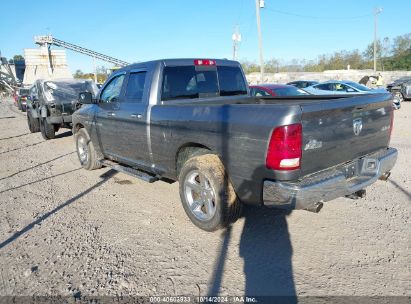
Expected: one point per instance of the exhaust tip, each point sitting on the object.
(385, 176)
(316, 207)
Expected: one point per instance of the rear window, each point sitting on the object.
(184, 82)
(24, 91)
(135, 86)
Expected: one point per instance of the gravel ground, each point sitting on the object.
(67, 231)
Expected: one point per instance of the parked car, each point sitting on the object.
(276, 90)
(336, 87)
(52, 102)
(192, 121)
(401, 88)
(341, 87)
(23, 95)
(303, 83)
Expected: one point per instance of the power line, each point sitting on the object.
(318, 17)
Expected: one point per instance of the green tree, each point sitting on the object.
(78, 74)
(401, 44)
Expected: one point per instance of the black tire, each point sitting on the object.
(47, 130)
(33, 123)
(399, 95)
(23, 108)
(84, 145)
(224, 202)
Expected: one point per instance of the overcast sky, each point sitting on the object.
(144, 30)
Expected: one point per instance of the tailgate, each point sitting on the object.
(338, 131)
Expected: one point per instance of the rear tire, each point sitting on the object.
(23, 108)
(33, 123)
(86, 152)
(47, 130)
(400, 97)
(207, 194)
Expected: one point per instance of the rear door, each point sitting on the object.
(340, 130)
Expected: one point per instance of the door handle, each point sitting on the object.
(111, 114)
(134, 115)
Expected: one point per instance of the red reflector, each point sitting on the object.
(204, 62)
(284, 149)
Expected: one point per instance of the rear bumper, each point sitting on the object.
(329, 184)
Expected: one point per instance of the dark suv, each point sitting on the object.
(52, 102)
(22, 99)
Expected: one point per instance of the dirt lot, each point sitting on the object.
(67, 231)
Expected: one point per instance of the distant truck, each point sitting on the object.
(52, 102)
(193, 121)
(401, 88)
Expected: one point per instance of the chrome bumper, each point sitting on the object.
(329, 184)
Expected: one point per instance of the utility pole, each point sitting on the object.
(236, 40)
(377, 11)
(260, 4)
(95, 69)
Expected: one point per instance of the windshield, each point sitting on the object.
(24, 92)
(68, 89)
(358, 86)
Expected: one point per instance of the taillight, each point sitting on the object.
(391, 125)
(284, 149)
(204, 62)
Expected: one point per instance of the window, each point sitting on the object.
(325, 86)
(259, 92)
(231, 81)
(135, 86)
(112, 91)
(184, 82)
(290, 91)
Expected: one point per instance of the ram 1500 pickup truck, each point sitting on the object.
(193, 121)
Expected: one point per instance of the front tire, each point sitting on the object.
(207, 195)
(47, 130)
(399, 96)
(86, 152)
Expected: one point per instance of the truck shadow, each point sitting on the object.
(64, 134)
(266, 250)
(400, 188)
(105, 177)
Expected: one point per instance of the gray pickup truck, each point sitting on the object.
(192, 121)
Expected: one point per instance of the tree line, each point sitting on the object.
(392, 55)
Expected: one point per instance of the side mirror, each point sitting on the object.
(85, 98)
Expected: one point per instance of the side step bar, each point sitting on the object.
(130, 171)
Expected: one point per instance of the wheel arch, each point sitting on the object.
(189, 150)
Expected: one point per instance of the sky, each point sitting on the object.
(139, 30)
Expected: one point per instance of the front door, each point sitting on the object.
(106, 115)
(132, 120)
